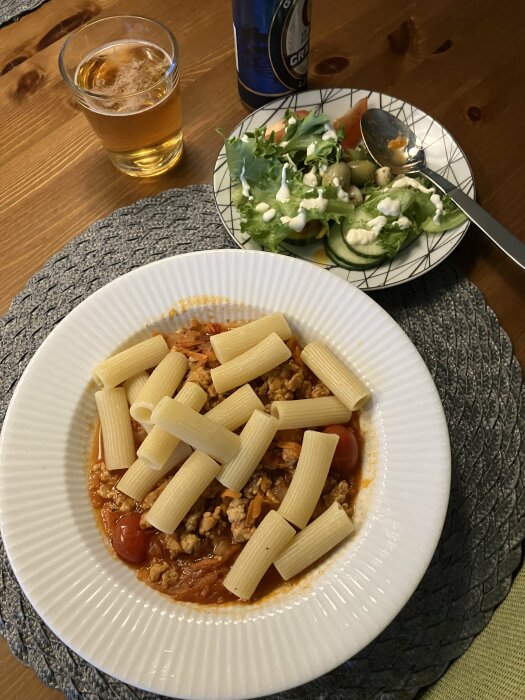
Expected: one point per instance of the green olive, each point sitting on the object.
(339, 170)
(359, 153)
(362, 171)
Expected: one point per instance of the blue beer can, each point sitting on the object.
(272, 39)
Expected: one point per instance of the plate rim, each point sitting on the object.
(91, 299)
(348, 90)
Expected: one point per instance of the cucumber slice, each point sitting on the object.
(447, 221)
(376, 249)
(339, 252)
(313, 231)
(366, 250)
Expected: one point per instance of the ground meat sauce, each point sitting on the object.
(191, 564)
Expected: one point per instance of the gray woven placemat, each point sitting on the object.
(11, 10)
(480, 384)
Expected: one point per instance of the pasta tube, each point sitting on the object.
(183, 489)
(117, 435)
(256, 437)
(338, 378)
(309, 545)
(263, 547)
(139, 479)
(309, 413)
(197, 430)
(310, 475)
(159, 445)
(163, 381)
(127, 363)
(262, 358)
(235, 410)
(232, 343)
(134, 384)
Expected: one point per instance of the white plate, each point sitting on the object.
(94, 603)
(443, 155)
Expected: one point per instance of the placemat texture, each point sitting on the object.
(480, 384)
(11, 10)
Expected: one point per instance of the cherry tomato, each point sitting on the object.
(129, 541)
(351, 123)
(346, 454)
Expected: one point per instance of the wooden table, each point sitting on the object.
(460, 61)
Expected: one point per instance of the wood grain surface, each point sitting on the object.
(460, 61)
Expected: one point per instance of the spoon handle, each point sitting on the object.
(501, 236)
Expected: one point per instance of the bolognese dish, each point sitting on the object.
(226, 458)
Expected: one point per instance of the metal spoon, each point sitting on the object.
(391, 143)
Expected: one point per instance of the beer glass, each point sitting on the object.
(124, 73)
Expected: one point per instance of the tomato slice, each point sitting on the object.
(346, 455)
(129, 541)
(351, 123)
(278, 128)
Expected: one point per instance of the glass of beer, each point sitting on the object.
(124, 73)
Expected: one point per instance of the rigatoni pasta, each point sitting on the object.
(126, 364)
(159, 444)
(261, 358)
(318, 538)
(310, 413)
(140, 478)
(256, 437)
(163, 381)
(197, 472)
(235, 342)
(197, 430)
(134, 384)
(309, 477)
(338, 378)
(235, 410)
(119, 444)
(265, 545)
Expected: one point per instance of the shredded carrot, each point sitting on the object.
(230, 493)
(254, 509)
(288, 445)
(213, 328)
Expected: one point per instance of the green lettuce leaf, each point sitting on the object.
(270, 233)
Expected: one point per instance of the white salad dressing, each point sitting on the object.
(362, 236)
(329, 134)
(292, 120)
(403, 222)
(245, 138)
(319, 202)
(268, 215)
(310, 178)
(410, 182)
(342, 195)
(244, 183)
(323, 168)
(262, 207)
(438, 203)
(283, 193)
(296, 223)
(283, 144)
(310, 149)
(389, 206)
